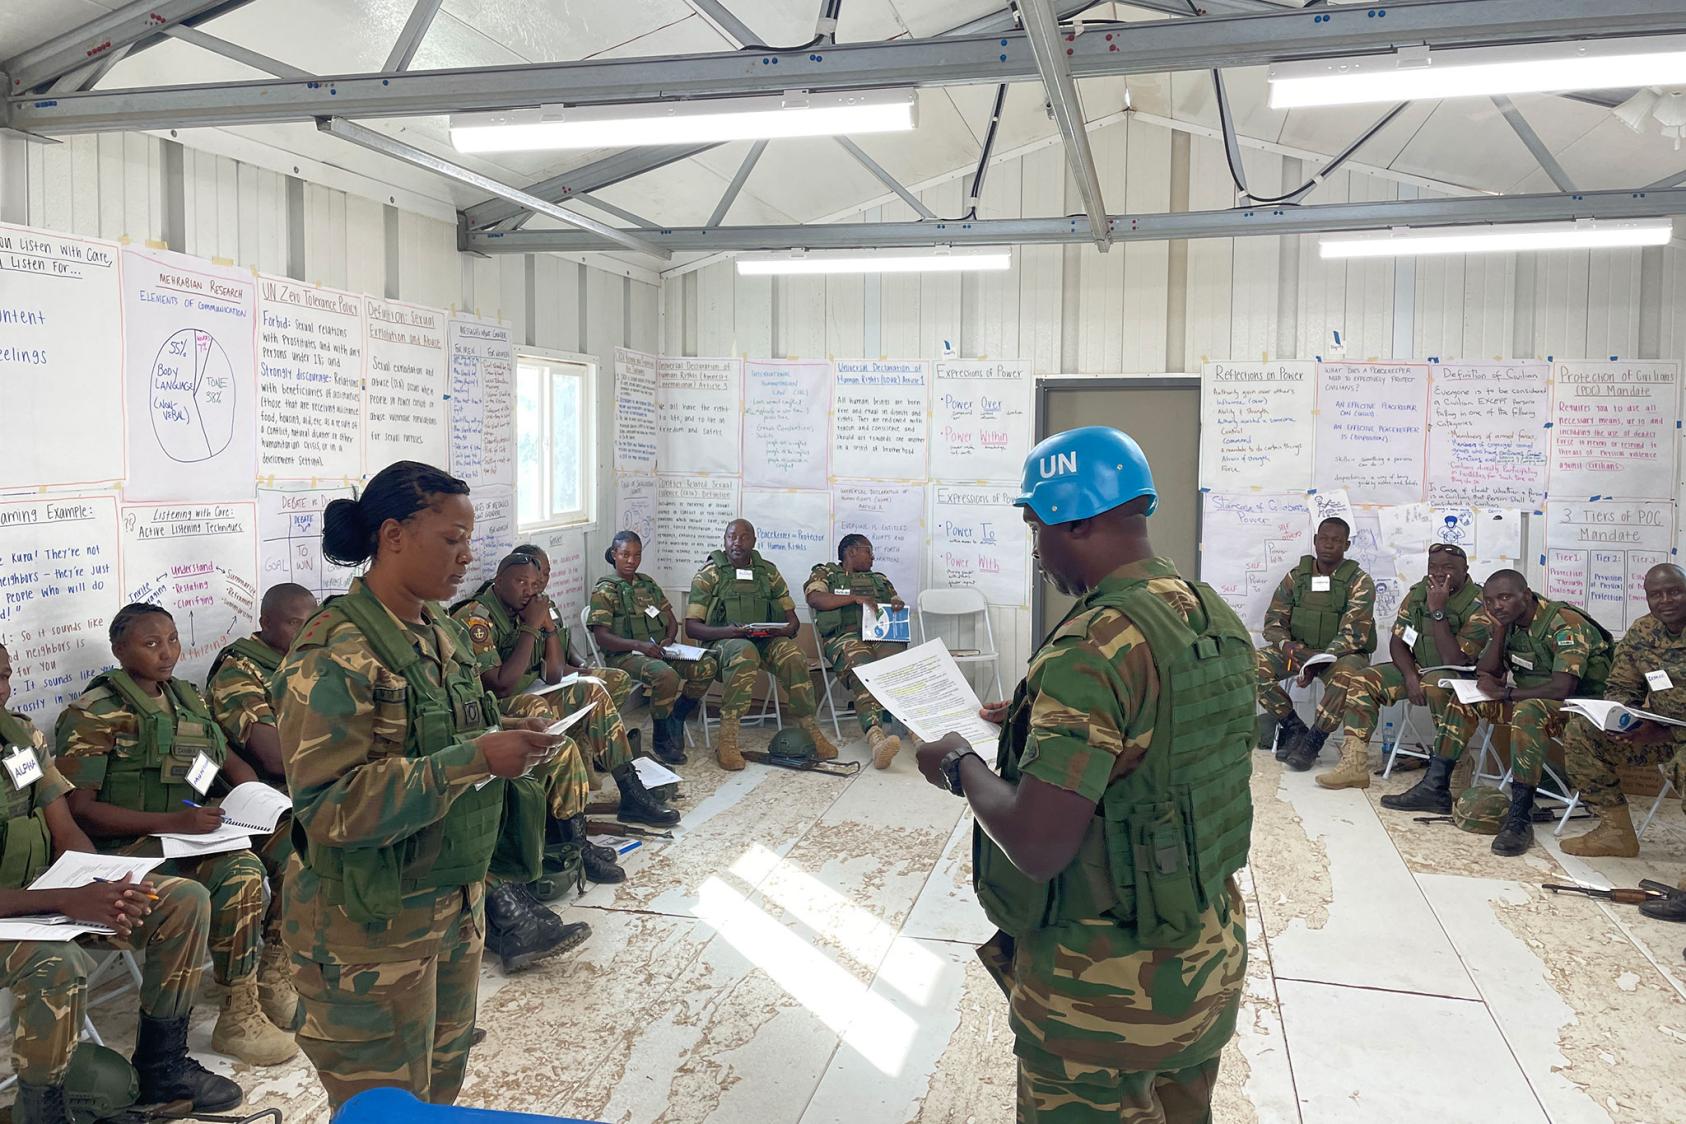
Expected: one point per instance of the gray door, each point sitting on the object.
(1163, 415)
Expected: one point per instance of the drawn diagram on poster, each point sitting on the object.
(200, 562)
(290, 540)
(1597, 555)
(1247, 542)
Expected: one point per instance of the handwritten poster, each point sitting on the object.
(58, 589)
(691, 517)
(1247, 542)
(60, 353)
(290, 541)
(635, 411)
(793, 532)
(310, 381)
(1256, 422)
(1488, 433)
(188, 328)
(1330, 503)
(494, 533)
(784, 424)
(893, 519)
(1376, 557)
(698, 403)
(979, 540)
(482, 401)
(1613, 429)
(1597, 555)
(878, 418)
(1498, 541)
(199, 561)
(981, 422)
(405, 402)
(1372, 426)
(635, 510)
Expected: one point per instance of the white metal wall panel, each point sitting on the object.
(1211, 261)
(991, 313)
(898, 300)
(802, 316)
(939, 293)
(646, 317)
(716, 320)
(1146, 264)
(752, 314)
(1612, 318)
(1256, 268)
(1100, 297)
(845, 300)
(1368, 326)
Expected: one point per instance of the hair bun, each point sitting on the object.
(345, 538)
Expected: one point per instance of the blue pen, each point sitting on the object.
(191, 804)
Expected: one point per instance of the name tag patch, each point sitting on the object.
(1319, 583)
(746, 575)
(1409, 636)
(1523, 662)
(204, 771)
(23, 768)
(1658, 680)
(652, 612)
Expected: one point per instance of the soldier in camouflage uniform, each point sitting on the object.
(619, 683)
(837, 593)
(1123, 971)
(166, 918)
(133, 745)
(1553, 651)
(399, 774)
(633, 623)
(735, 589)
(1325, 605)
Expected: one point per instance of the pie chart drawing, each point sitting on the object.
(192, 397)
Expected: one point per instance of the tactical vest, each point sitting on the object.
(629, 621)
(1316, 616)
(370, 882)
(14, 731)
(505, 631)
(153, 778)
(250, 647)
(1163, 840)
(830, 623)
(735, 601)
(1542, 650)
(1460, 606)
(26, 845)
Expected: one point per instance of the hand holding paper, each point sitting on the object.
(924, 689)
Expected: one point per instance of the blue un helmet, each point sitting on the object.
(1082, 472)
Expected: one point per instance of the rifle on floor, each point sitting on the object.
(1621, 894)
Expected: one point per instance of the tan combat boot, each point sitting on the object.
(1613, 837)
(243, 1033)
(1354, 768)
(726, 746)
(823, 749)
(275, 984)
(884, 746)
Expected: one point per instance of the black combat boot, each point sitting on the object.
(1517, 834)
(669, 739)
(1302, 755)
(600, 863)
(1431, 794)
(637, 805)
(168, 1074)
(40, 1104)
(514, 930)
(1289, 732)
(567, 934)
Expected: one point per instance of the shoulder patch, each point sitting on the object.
(479, 630)
(1564, 639)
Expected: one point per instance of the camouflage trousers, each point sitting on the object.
(1365, 693)
(844, 654)
(667, 681)
(601, 734)
(1054, 1091)
(742, 660)
(404, 1024)
(1533, 723)
(235, 882)
(1273, 666)
(48, 979)
(565, 778)
(274, 852)
(1594, 756)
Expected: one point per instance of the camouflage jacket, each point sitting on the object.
(238, 694)
(1356, 633)
(1471, 638)
(52, 786)
(708, 579)
(607, 610)
(1647, 647)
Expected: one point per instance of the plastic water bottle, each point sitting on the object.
(1387, 739)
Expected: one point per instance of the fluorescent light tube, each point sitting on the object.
(1412, 73)
(1498, 239)
(796, 114)
(872, 261)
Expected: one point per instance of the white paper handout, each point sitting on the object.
(560, 726)
(78, 868)
(924, 689)
(1613, 716)
(228, 837)
(684, 652)
(1468, 692)
(255, 807)
(653, 773)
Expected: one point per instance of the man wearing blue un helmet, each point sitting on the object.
(1107, 843)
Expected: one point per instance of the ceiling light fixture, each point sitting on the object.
(1520, 237)
(938, 260)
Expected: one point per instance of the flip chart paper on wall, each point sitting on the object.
(893, 518)
(405, 403)
(570, 584)
(1333, 503)
(60, 351)
(190, 336)
(310, 381)
(199, 561)
(58, 590)
(1256, 425)
(635, 510)
(1372, 429)
(290, 541)
(1407, 529)
(980, 419)
(878, 418)
(698, 404)
(1597, 555)
(1375, 557)
(1488, 440)
(494, 533)
(691, 517)
(1613, 430)
(1498, 538)
(482, 401)
(784, 424)
(978, 540)
(793, 532)
(635, 411)
(1247, 542)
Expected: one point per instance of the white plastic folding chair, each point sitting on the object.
(848, 710)
(958, 606)
(597, 660)
(1656, 805)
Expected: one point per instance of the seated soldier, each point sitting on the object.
(142, 750)
(617, 682)
(1440, 622)
(738, 588)
(633, 623)
(837, 593)
(1325, 606)
(165, 918)
(1648, 673)
(1553, 651)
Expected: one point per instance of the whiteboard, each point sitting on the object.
(635, 411)
(200, 562)
(60, 354)
(290, 540)
(981, 422)
(893, 518)
(1372, 430)
(691, 517)
(405, 403)
(793, 532)
(481, 388)
(494, 533)
(1256, 425)
(1247, 542)
(190, 338)
(979, 540)
(784, 424)
(1613, 429)
(878, 418)
(1597, 555)
(1488, 436)
(699, 404)
(310, 381)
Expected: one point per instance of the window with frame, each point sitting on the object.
(554, 447)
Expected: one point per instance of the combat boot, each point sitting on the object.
(1613, 837)
(1431, 794)
(166, 1073)
(637, 805)
(1354, 769)
(884, 746)
(667, 740)
(823, 749)
(1517, 833)
(514, 931)
(1303, 754)
(726, 750)
(40, 1104)
(276, 996)
(566, 934)
(1672, 908)
(1267, 725)
(1289, 732)
(601, 863)
(243, 1031)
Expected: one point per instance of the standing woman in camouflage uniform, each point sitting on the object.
(393, 756)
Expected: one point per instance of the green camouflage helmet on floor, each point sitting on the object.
(791, 746)
(100, 1085)
(1481, 810)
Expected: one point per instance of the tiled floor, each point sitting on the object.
(803, 953)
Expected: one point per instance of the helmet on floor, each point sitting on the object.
(791, 745)
(99, 1084)
(1481, 810)
(1082, 472)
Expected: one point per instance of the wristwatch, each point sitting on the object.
(1437, 615)
(950, 768)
